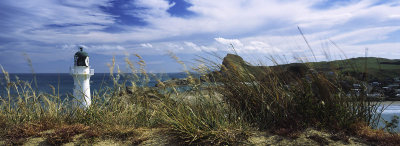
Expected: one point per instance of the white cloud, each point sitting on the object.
(388, 50)
(198, 48)
(249, 46)
(224, 17)
(153, 9)
(367, 34)
(396, 16)
(86, 3)
(146, 45)
(105, 49)
(192, 45)
(234, 42)
(252, 26)
(256, 46)
(51, 12)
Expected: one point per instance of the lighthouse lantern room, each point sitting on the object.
(81, 73)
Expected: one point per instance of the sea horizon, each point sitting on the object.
(63, 82)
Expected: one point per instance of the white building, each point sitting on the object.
(81, 73)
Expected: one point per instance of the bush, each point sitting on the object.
(287, 99)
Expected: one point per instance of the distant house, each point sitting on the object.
(356, 92)
(331, 73)
(394, 85)
(356, 86)
(375, 84)
(396, 79)
(374, 95)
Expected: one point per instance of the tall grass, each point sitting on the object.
(232, 101)
(292, 97)
(31, 111)
(125, 105)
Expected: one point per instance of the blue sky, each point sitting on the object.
(50, 31)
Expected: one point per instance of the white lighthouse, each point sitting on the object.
(81, 73)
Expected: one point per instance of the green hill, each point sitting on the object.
(369, 68)
(363, 68)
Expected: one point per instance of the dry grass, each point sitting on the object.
(17, 134)
(202, 119)
(222, 113)
(319, 139)
(283, 99)
(290, 133)
(377, 136)
(65, 134)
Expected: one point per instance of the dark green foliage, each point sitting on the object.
(294, 96)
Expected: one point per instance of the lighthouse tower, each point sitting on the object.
(81, 73)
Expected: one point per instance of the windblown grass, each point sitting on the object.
(287, 99)
(203, 119)
(376, 136)
(115, 108)
(27, 112)
(222, 111)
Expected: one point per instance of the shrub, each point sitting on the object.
(286, 99)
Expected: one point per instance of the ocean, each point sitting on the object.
(388, 113)
(64, 83)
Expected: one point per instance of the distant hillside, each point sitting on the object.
(236, 63)
(374, 68)
(370, 68)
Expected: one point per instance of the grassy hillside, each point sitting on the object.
(376, 69)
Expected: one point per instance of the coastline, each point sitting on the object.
(390, 103)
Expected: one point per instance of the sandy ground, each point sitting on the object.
(158, 137)
(154, 136)
(307, 137)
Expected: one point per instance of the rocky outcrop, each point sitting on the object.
(235, 64)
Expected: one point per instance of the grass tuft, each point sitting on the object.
(18, 134)
(377, 136)
(282, 97)
(65, 134)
